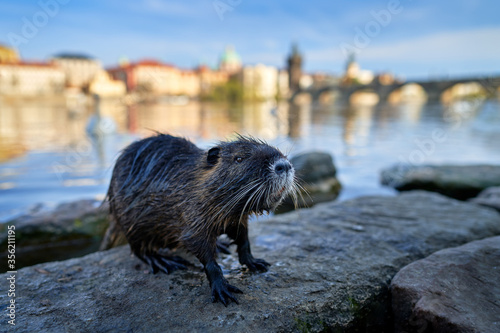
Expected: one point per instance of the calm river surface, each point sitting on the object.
(47, 157)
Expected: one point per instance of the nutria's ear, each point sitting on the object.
(213, 155)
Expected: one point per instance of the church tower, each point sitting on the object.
(294, 68)
(352, 69)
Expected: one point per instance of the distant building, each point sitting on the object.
(322, 79)
(354, 74)
(259, 82)
(365, 77)
(104, 86)
(189, 83)
(352, 68)
(80, 69)
(31, 79)
(8, 55)
(230, 61)
(147, 76)
(294, 62)
(306, 81)
(385, 79)
(209, 78)
(157, 78)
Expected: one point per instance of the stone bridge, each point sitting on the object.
(434, 89)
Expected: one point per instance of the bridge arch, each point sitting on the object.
(463, 90)
(326, 95)
(302, 97)
(408, 93)
(364, 97)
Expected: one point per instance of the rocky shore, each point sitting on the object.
(453, 290)
(490, 197)
(70, 230)
(332, 267)
(456, 181)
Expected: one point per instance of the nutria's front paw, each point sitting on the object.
(257, 265)
(166, 264)
(222, 291)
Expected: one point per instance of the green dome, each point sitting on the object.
(230, 56)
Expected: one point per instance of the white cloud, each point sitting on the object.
(465, 45)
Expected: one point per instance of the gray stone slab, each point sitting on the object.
(453, 290)
(489, 198)
(331, 270)
(456, 181)
(71, 229)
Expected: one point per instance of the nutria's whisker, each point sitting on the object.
(250, 201)
(227, 208)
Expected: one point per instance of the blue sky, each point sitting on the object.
(412, 38)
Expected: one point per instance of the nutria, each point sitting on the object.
(167, 193)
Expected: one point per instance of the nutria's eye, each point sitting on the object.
(238, 159)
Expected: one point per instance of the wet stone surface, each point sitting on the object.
(489, 198)
(70, 230)
(455, 181)
(453, 290)
(331, 269)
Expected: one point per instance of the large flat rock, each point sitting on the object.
(457, 181)
(331, 270)
(489, 198)
(453, 290)
(71, 229)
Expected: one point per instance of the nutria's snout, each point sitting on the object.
(283, 179)
(283, 171)
(282, 166)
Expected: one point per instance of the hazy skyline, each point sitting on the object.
(409, 38)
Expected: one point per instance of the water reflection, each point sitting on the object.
(37, 127)
(299, 120)
(209, 121)
(357, 125)
(31, 126)
(47, 155)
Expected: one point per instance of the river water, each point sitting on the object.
(47, 156)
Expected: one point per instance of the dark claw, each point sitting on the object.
(258, 265)
(164, 263)
(173, 264)
(180, 260)
(152, 265)
(163, 268)
(234, 289)
(221, 291)
(224, 297)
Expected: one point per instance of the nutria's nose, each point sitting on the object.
(282, 167)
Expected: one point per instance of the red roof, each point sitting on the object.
(203, 68)
(30, 64)
(144, 62)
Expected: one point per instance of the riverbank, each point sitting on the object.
(332, 266)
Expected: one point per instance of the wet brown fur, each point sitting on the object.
(167, 193)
